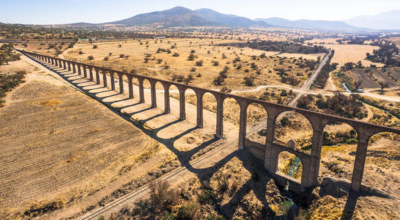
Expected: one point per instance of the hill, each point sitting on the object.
(178, 16)
(310, 24)
(229, 20)
(384, 21)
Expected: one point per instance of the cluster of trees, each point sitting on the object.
(340, 104)
(9, 81)
(385, 54)
(7, 54)
(280, 46)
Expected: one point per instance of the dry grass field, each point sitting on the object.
(59, 146)
(48, 47)
(174, 61)
(345, 53)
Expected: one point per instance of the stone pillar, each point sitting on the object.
(52, 61)
(90, 73)
(55, 62)
(79, 69)
(74, 67)
(97, 76)
(243, 124)
(199, 97)
(130, 86)
(269, 161)
(167, 107)
(182, 104)
(313, 170)
(69, 66)
(153, 94)
(65, 64)
(112, 80)
(104, 78)
(121, 83)
(141, 90)
(359, 163)
(220, 117)
(84, 71)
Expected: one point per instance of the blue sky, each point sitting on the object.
(97, 11)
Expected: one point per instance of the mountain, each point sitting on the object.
(310, 24)
(229, 20)
(384, 21)
(178, 16)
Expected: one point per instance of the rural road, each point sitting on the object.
(307, 85)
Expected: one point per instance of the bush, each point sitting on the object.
(191, 57)
(121, 55)
(284, 93)
(199, 63)
(94, 46)
(90, 57)
(352, 141)
(188, 210)
(175, 55)
(284, 121)
(80, 52)
(215, 63)
(161, 197)
(218, 80)
(249, 81)
(304, 102)
(206, 196)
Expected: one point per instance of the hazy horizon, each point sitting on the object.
(72, 11)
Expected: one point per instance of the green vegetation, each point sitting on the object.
(280, 46)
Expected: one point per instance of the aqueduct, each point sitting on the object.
(311, 162)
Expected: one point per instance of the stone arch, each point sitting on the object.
(339, 145)
(145, 95)
(208, 102)
(255, 142)
(289, 165)
(382, 162)
(231, 115)
(294, 130)
(174, 97)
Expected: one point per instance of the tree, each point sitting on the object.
(357, 84)
(383, 85)
(249, 81)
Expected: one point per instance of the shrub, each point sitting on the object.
(199, 63)
(284, 93)
(161, 197)
(191, 57)
(304, 102)
(218, 80)
(249, 81)
(193, 69)
(94, 46)
(80, 52)
(188, 210)
(206, 196)
(285, 121)
(90, 57)
(215, 63)
(121, 55)
(175, 55)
